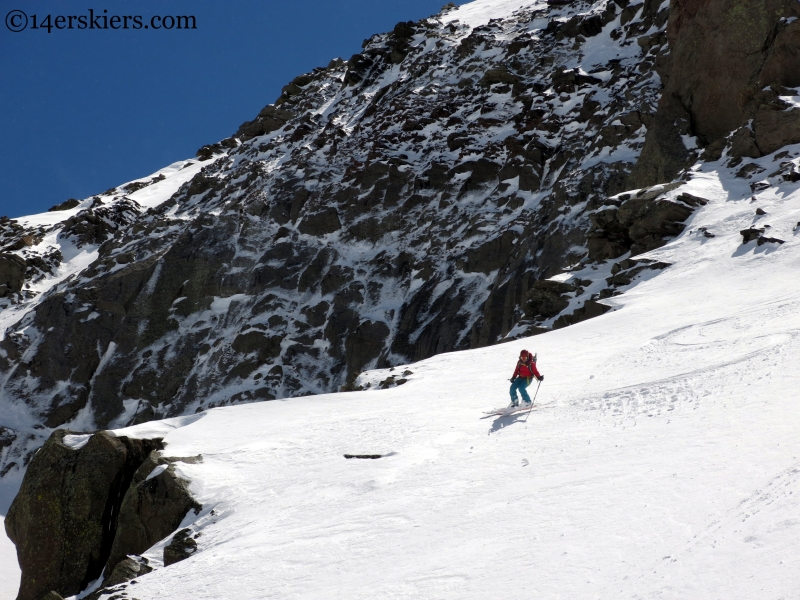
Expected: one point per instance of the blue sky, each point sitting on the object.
(83, 110)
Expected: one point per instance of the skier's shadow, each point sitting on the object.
(503, 421)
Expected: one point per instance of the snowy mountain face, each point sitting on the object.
(490, 173)
(400, 204)
(661, 459)
(467, 179)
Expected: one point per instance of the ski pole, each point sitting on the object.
(532, 402)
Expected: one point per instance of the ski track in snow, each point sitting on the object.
(662, 462)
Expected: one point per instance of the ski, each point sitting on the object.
(508, 410)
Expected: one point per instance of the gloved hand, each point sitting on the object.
(512, 379)
(540, 378)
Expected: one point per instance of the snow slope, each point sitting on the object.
(480, 12)
(9, 573)
(661, 460)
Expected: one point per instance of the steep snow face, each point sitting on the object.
(662, 458)
(398, 205)
(480, 12)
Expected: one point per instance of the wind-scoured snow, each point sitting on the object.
(662, 458)
(175, 175)
(480, 12)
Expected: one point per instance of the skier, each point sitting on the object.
(523, 374)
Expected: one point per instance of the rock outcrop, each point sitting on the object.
(64, 517)
(180, 548)
(12, 274)
(155, 504)
(730, 62)
(636, 223)
(86, 502)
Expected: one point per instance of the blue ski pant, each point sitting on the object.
(520, 383)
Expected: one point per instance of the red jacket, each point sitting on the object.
(525, 369)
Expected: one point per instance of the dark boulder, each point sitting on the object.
(12, 274)
(547, 298)
(365, 344)
(265, 346)
(64, 517)
(757, 235)
(180, 548)
(748, 235)
(126, 570)
(775, 127)
(564, 80)
(491, 255)
(638, 225)
(589, 310)
(568, 80)
(64, 406)
(25, 241)
(458, 139)
(358, 68)
(154, 506)
(482, 172)
(66, 205)
(269, 119)
(769, 240)
(498, 76)
(470, 44)
(692, 200)
(650, 221)
(208, 151)
(372, 229)
(608, 238)
(743, 144)
(398, 41)
(321, 222)
(296, 85)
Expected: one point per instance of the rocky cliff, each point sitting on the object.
(727, 82)
(412, 200)
(86, 503)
